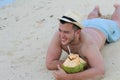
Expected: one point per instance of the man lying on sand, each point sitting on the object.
(85, 38)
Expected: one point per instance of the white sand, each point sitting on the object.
(26, 28)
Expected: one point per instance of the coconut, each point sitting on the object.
(73, 64)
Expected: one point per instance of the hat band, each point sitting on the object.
(69, 18)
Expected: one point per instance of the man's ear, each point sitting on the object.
(78, 31)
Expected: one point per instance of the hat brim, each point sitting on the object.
(75, 23)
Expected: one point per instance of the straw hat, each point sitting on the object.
(72, 17)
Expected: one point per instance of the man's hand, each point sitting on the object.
(60, 74)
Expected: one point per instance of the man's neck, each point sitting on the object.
(76, 41)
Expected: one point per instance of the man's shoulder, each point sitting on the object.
(86, 38)
(56, 35)
(55, 39)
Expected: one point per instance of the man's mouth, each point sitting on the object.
(63, 39)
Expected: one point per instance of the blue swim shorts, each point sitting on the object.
(108, 27)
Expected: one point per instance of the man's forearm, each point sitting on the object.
(89, 74)
(53, 64)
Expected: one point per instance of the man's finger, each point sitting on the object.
(58, 66)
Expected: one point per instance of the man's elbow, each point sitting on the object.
(49, 66)
(101, 73)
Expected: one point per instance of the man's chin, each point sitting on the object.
(64, 43)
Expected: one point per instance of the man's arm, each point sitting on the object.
(96, 69)
(53, 53)
(96, 63)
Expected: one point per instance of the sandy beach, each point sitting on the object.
(26, 28)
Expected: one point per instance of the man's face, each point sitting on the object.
(66, 33)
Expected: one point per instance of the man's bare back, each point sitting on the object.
(97, 36)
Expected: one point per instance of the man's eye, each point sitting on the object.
(59, 30)
(66, 32)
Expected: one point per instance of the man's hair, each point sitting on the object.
(63, 22)
(75, 27)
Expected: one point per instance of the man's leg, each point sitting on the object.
(116, 14)
(95, 13)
